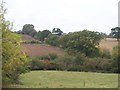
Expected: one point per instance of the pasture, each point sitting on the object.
(65, 79)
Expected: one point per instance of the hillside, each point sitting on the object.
(41, 50)
(27, 38)
(108, 43)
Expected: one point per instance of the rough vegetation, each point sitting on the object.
(14, 61)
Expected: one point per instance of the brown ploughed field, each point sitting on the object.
(41, 50)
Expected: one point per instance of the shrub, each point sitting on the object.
(116, 58)
(105, 65)
(64, 62)
(36, 65)
(45, 57)
(79, 58)
(90, 65)
(70, 63)
(105, 53)
(52, 56)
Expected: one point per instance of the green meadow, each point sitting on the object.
(65, 79)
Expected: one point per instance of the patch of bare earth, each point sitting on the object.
(41, 50)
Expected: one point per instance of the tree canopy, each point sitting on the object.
(41, 35)
(29, 29)
(115, 32)
(14, 61)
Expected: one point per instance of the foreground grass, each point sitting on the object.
(64, 79)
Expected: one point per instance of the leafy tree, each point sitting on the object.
(63, 41)
(42, 35)
(115, 32)
(85, 42)
(52, 40)
(29, 29)
(37, 35)
(14, 61)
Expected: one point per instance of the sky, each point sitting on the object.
(68, 15)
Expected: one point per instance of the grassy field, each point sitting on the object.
(64, 79)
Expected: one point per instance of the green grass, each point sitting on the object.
(64, 79)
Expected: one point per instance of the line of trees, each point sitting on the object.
(83, 41)
(28, 29)
(106, 63)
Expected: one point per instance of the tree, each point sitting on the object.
(29, 29)
(41, 35)
(63, 41)
(85, 42)
(115, 32)
(52, 40)
(14, 61)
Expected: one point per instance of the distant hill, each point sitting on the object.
(39, 49)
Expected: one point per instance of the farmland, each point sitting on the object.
(57, 55)
(108, 43)
(64, 79)
(41, 49)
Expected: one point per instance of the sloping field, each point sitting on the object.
(41, 50)
(27, 38)
(64, 79)
(108, 43)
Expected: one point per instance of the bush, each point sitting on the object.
(90, 65)
(41, 63)
(36, 65)
(52, 56)
(79, 59)
(105, 53)
(64, 62)
(116, 59)
(45, 57)
(70, 63)
(105, 65)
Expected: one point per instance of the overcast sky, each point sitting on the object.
(68, 15)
